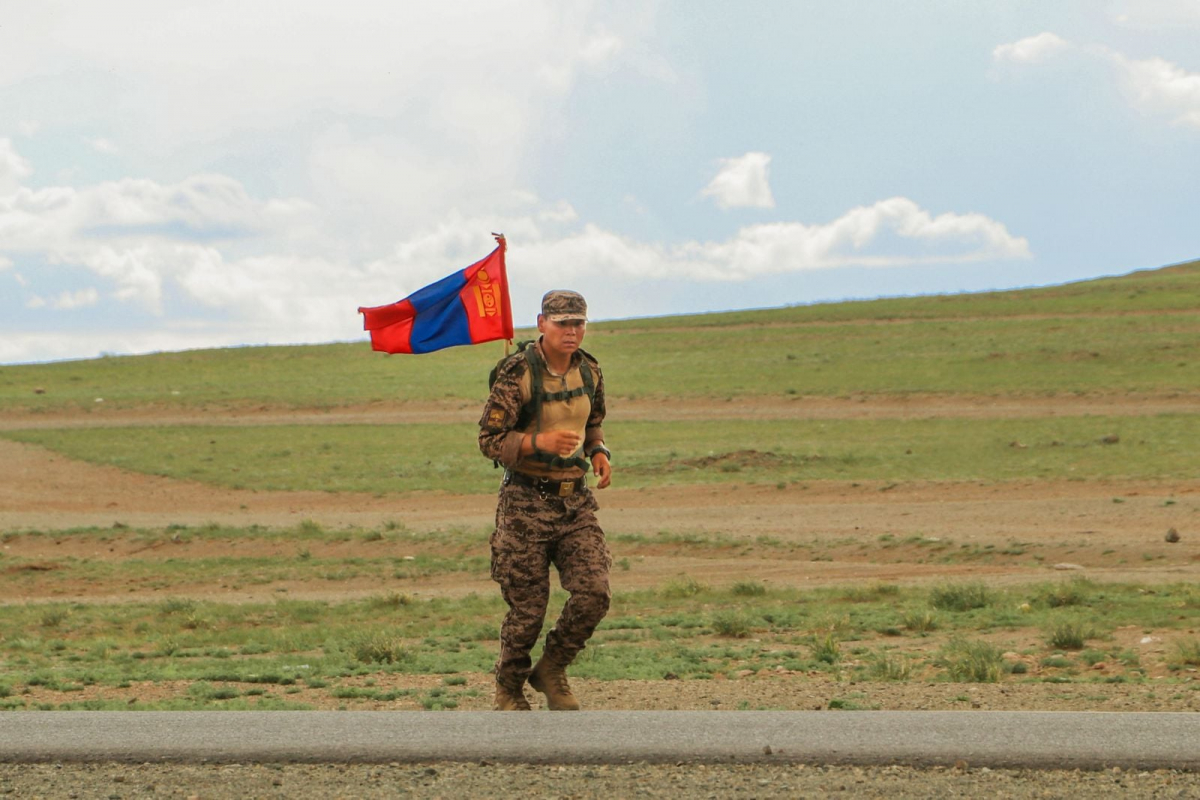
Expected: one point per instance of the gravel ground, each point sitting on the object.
(456, 780)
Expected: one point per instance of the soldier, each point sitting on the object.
(542, 422)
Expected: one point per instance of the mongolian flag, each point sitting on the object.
(468, 307)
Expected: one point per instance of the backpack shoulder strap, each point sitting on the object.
(585, 372)
(532, 411)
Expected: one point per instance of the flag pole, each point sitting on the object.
(500, 240)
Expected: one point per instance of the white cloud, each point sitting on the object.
(1156, 14)
(203, 206)
(742, 183)
(597, 52)
(202, 262)
(893, 232)
(52, 345)
(285, 298)
(28, 127)
(1158, 86)
(1151, 85)
(137, 234)
(397, 109)
(149, 242)
(104, 146)
(1031, 50)
(67, 301)
(13, 168)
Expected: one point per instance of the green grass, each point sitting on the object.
(306, 554)
(1095, 336)
(960, 597)
(419, 457)
(1084, 337)
(972, 661)
(1187, 653)
(235, 655)
(1069, 635)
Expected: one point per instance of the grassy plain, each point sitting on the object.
(202, 644)
(1135, 333)
(304, 653)
(430, 456)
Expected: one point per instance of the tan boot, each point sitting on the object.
(551, 680)
(509, 699)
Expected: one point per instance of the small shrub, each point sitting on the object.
(682, 587)
(178, 605)
(1075, 592)
(875, 591)
(391, 600)
(749, 589)
(827, 649)
(920, 620)
(890, 667)
(960, 597)
(1068, 636)
(53, 617)
(194, 622)
(203, 690)
(731, 623)
(973, 661)
(432, 702)
(1129, 658)
(1187, 653)
(379, 649)
(1057, 662)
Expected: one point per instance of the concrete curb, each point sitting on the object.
(1087, 740)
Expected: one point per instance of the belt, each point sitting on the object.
(545, 486)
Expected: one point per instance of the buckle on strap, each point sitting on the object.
(545, 487)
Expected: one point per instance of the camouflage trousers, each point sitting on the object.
(532, 533)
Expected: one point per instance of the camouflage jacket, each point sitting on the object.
(499, 435)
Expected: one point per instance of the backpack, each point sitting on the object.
(532, 411)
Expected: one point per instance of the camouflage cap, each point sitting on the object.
(560, 304)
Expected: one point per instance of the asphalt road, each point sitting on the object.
(1086, 740)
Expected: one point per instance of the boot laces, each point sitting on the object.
(558, 678)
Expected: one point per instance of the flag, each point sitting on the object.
(468, 307)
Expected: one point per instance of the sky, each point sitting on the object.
(192, 175)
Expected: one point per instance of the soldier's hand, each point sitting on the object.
(603, 470)
(561, 443)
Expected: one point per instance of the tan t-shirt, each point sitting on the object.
(557, 415)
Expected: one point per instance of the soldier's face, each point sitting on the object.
(562, 337)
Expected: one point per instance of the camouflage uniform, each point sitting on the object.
(535, 529)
